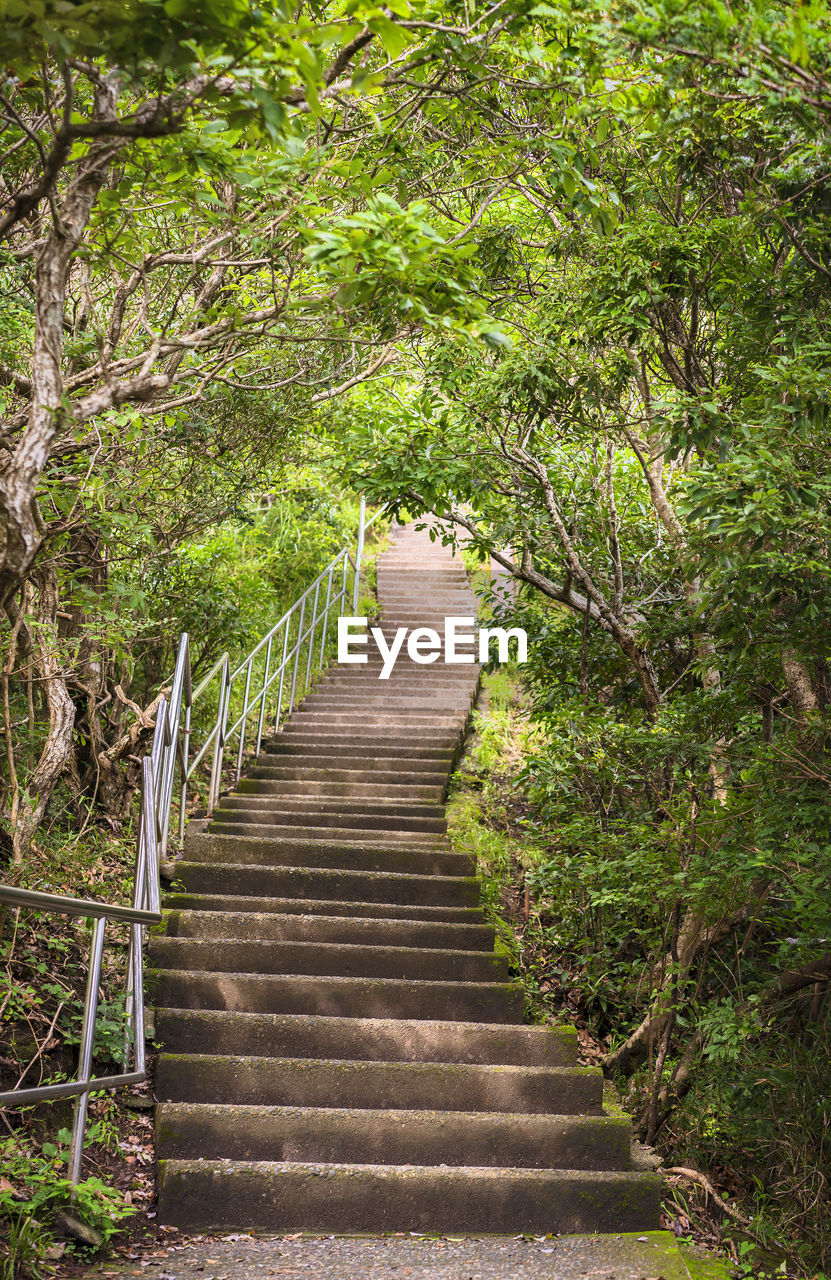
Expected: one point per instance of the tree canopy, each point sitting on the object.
(557, 273)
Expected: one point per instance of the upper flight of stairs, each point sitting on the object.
(343, 1051)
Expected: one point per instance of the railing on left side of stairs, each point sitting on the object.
(277, 665)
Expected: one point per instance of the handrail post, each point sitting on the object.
(76, 1146)
(312, 630)
(148, 844)
(286, 631)
(244, 717)
(219, 744)
(183, 790)
(356, 589)
(261, 717)
(326, 612)
(297, 654)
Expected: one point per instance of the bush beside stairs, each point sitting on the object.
(343, 1051)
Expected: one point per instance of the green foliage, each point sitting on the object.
(573, 263)
(571, 806)
(26, 1215)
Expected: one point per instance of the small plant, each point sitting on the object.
(35, 1189)
(28, 1244)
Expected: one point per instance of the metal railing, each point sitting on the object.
(305, 623)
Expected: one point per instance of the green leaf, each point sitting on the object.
(394, 39)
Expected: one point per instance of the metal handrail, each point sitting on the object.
(169, 753)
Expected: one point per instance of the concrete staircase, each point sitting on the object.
(343, 1051)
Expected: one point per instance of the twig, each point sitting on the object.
(692, 1175)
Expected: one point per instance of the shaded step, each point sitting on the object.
(321, 804)
(328, 1082)
(421, 697)
(286, 813)
(338, 1135)
(265, 831)
(373, 1039)
(378, 856)
(312, 785)
(357, 960)
(325, 882)
(378, 715)
(337, 997)
(405, 677)
(339, 751)
(397, 754)
(319, 928)
(376, 709)
(323, 906)
(369, 737)
(388, 776)
(268, 1196)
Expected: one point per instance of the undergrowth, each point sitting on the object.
(574, 920)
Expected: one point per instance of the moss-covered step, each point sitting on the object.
(322, 929)
(299, 850)
(325, 1082)
(340, 959)
(342, 1135)
(274, 1196)
(359, 997)
(328, 882)
(391, 910)
(379, 1039)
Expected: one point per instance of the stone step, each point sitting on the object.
(325, 959)
(341, 997)
(404, 614)
(340, 771)
(333, 1198)
(320, 783)
(447, 599)
(294, 762)
(379, 699)
(400, 586)
(322, 929)
(379, 719)
(294, 813)
(329, 1082)
(407, 683)
(281, 1035)
(339, 807)
(403, 755)
(376, 856)
(338, 1135)
(368, 738)
(328, 882)
(237, 825)
(413, 567)
(356, 909)
(406, 676)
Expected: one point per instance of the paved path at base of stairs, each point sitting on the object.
(609, 1257)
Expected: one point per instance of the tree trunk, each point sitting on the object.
(20, 525)
(57, 750)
